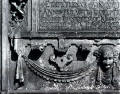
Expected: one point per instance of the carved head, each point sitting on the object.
(107, 61)
(106, 56)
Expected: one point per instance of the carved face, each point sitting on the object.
(107, 60)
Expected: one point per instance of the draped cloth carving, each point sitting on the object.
(19, 77)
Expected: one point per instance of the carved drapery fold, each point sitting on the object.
(19, 77)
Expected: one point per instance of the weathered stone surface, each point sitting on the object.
(52, 48)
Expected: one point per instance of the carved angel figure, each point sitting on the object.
(107, 67)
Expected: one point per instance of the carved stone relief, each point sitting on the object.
(52, 64)
(54, 55)
(108, 65)
(17, 9)
(17, 19)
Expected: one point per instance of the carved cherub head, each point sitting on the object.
(107, 59)
(106, 56)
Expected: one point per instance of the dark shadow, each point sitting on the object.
(82, 54)
(60, 53)
(34, 54)
(14, 55)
